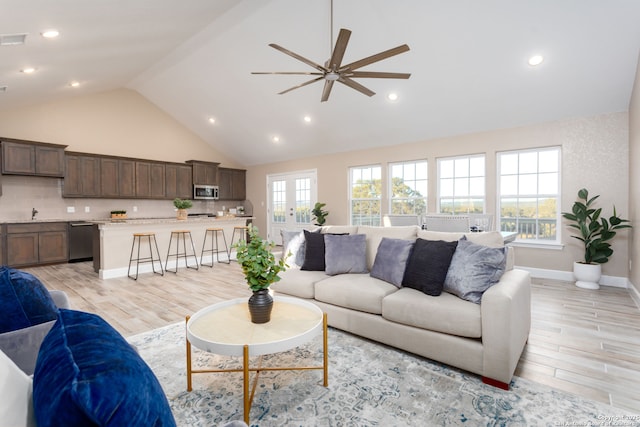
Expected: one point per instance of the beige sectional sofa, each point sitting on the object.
(486, 339)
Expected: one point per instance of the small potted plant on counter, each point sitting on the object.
(182, 206)
(118, 215)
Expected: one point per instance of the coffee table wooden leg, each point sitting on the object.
(325, 348)
(245, 367)
(189, 385)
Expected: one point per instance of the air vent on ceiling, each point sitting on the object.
(12, 39)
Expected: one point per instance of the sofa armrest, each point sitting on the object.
(506, 322)
(22, 345)
(61, 299)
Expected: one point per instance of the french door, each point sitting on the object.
(291, 199)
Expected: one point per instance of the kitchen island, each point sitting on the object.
(113, 239)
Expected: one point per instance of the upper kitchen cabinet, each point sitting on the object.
(32, 158)
(232, 184)
(82, 175)
(178, 181)
(204, 173)
(150, 180)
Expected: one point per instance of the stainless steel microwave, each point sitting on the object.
(205, 192)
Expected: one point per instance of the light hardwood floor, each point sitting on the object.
(584, 342)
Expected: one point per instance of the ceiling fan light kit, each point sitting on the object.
(333, 70)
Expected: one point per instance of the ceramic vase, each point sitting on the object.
(260, 305)
(587, 275)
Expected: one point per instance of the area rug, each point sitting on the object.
(369, 385)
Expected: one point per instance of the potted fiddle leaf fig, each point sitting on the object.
(260, 269)
(182, 206)
(319, 214)
(595, 232)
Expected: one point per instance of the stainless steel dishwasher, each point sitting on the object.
(80, 241)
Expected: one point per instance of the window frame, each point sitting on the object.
(469, 177)
(423, 198)
(557, 242)
(377, 199)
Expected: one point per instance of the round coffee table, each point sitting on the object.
(225, 328)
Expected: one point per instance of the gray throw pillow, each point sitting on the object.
(345, 254)
(293, 241)
(391, 260)
(474, 269)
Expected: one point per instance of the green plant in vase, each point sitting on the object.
(182, 205)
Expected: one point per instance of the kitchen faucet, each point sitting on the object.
(33, 213)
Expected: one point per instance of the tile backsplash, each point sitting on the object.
(21, 194)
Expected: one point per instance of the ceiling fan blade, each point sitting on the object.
(308, 82)
(355, 85)
(340, 48)
(377, 74)
(328, 85)
(298, 57)
(297, 73)
(375, 58)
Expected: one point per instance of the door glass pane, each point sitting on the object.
(303, 201)
(279, 197)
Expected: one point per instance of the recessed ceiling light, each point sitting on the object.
(50, 34)
(536, 60)
(211, 120)
(74, 84)
(392, 96)
(28, 70)
(275, 138)
(307, 119)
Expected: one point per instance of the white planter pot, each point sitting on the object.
(587, 275)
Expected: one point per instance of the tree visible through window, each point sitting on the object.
(529, 193)
(365, 195)
(408, 188)
(461, 185)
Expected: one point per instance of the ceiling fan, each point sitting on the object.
(333, 71)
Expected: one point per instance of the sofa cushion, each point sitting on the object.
(298, 282)
(355, 291)
(16, 405)
(24, 301)
(88, 375)
(391, 260)
(375, 235)
(428, 264)
(313, 251)
(339, 229)
(474, 268)
(447, 313)
(293, 246)
(345, 254)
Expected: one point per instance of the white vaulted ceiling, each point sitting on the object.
(194, 59)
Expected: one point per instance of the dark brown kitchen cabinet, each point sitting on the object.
(179, 181)
(32, 158)
(204, 173)
(150, 180)
(33, 244)
(109, 177)
(82, 176)
(232, 184)
(127, 178)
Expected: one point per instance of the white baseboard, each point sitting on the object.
(567, 276)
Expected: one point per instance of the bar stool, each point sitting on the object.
(184, 235)
(137, 237)
(215, 246)
(241, 230)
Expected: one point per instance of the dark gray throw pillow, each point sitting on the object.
(391, 260)
(345, 254)
(428, 265)
(474, 269)
(313, 251)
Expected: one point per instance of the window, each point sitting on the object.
(279, 194)
(461, 185)
(529, 193)
(408, 188)
(303, 200)
(365, 195)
